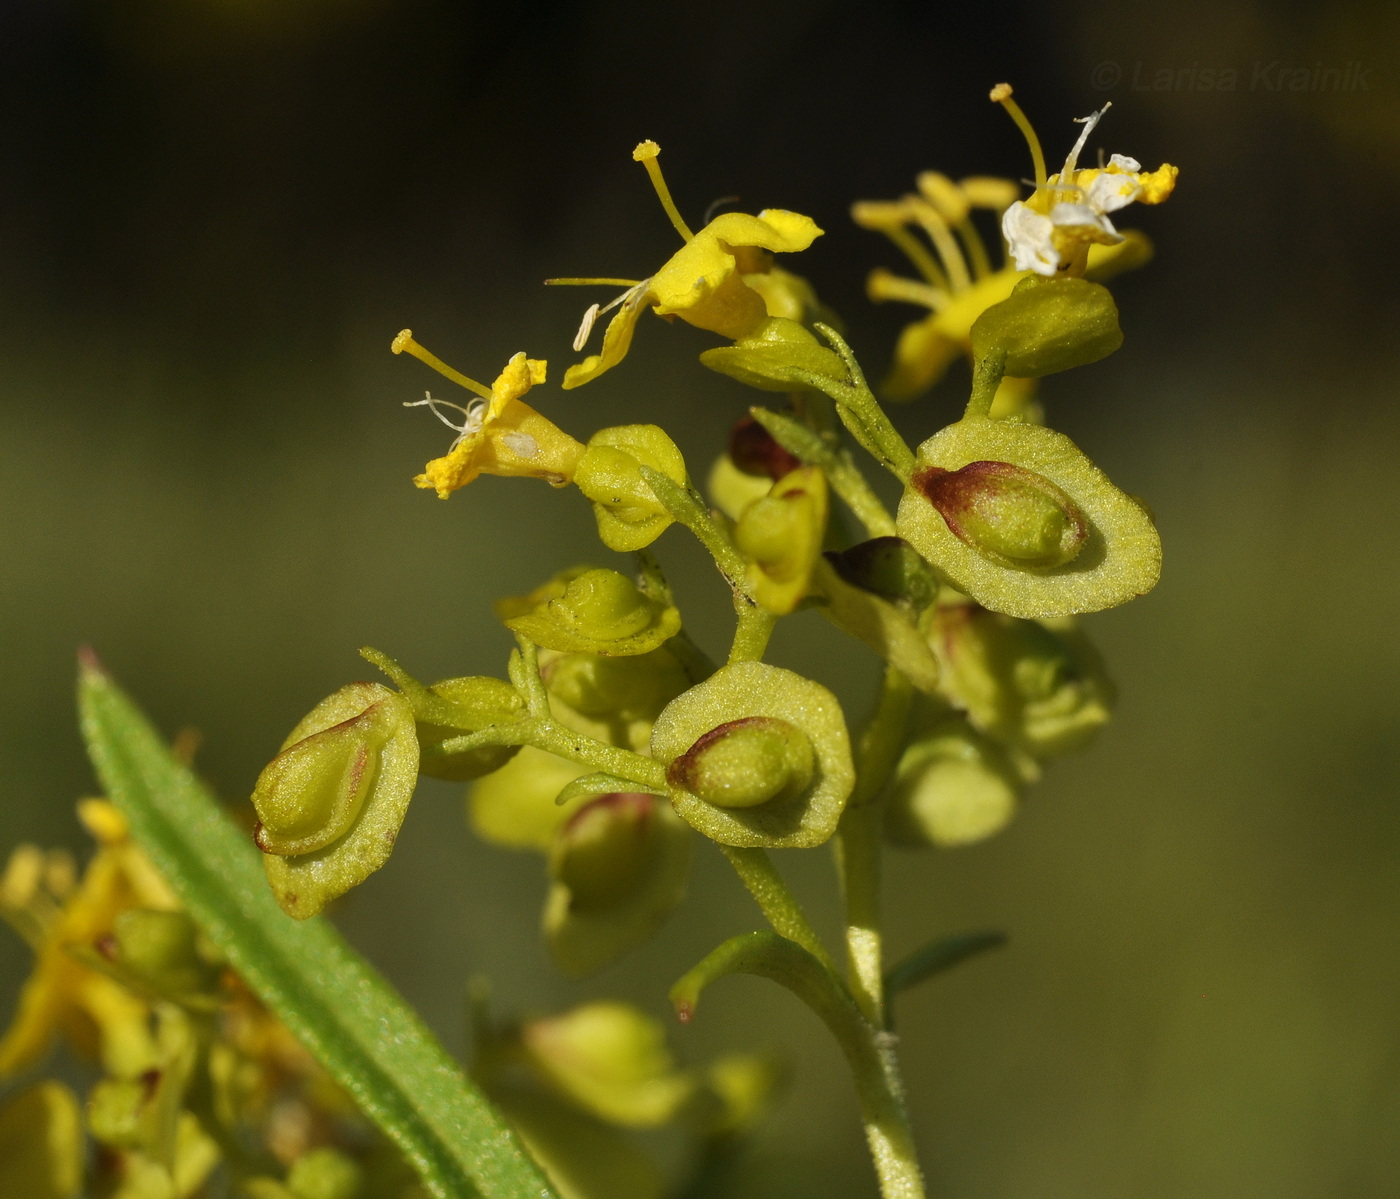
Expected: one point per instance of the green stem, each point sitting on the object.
(857, 844)
(859, 411)
(986, 378)
(842, 473)
(868, 1050)
(751, 633)
(778, 904)
(685, 505)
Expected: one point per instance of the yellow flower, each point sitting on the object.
(100, 1017)
(1053, 231)
(499, 434)
(958, 283)
(702, 283)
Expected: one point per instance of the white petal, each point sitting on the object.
(1028, 236)
(1081, 216)
(1110, 191)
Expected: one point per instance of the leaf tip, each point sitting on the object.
(90, 665)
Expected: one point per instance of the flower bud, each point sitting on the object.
(951, 787)
(619, 868)
(325, 1173)
(1049, 325)
(1040, 689)
(744, 1085)
(609, 473)
(755, 451)
(163, 951)
(515, 807)
(771, 356)
(41, 1143)
(781, 536)
(610, 1059)
(471, 704)
(330, 804)
(1011, 515)
(889, 567)
(731, 490)
(1015, 516)
(594, 611)
(615, 689)
(756, 756)
(889, 629)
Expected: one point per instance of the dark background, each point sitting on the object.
(214, 215)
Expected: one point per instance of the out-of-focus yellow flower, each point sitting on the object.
(958, 283)
(41, 1144)
(499, 433)
(703, 283)
(101, 1018)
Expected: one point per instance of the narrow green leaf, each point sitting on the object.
(938, 956)
(331, 999)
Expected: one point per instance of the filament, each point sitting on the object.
(646, 153)
(404, 341)
(1002, 95)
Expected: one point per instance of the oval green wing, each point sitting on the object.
(740, 693)
(1118, 557)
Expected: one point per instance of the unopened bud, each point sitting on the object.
(162, 949)
(755, 451)
(477, 702)
(775, 356)
(611, 1059)
(731, 490)
(781, 536)
(952, 787)
(609, 473)
(891, 568)
(593, 611)
(1010, 514)
(1049, 325)
(325, 1173)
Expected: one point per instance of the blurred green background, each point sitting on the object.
(214, 215)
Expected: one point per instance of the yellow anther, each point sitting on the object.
(646, 153)
(404, 341)
(1001, 94)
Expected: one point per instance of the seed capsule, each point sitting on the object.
(951, 787)
(591, 611)
(330, 804)
(766, 752)
(1017, 518)
(619, 868)
(1010, 514)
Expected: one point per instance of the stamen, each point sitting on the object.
(475, 414)
(590, 314)
(943, 241)
(646, 153)
(1001, 94)
(404, 341)
(718, 204)
(1088, 122)
(591, 282)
